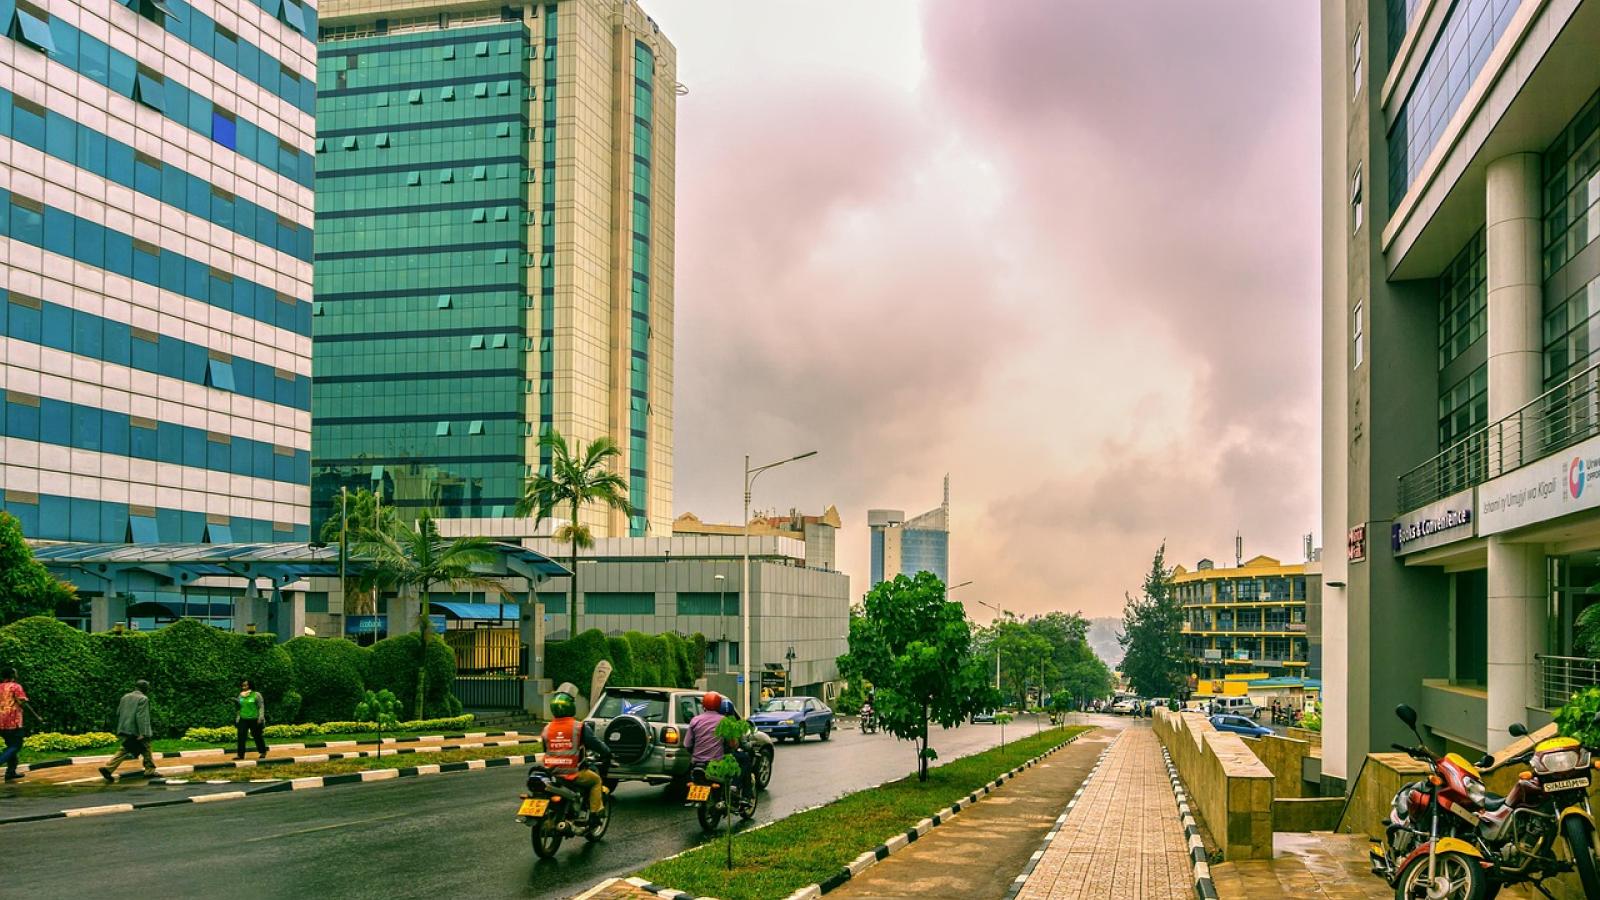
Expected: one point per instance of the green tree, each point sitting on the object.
(726, 771)
(382, 708)
(26, 587)
(352, 520)
(915, 647)
(414, 557)
(575, 479)
(1152, 634)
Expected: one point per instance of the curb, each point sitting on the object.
(218, 751)
(1203, 886)
(321, 757)
(1061, 820)
(884, 850)
(297, 784)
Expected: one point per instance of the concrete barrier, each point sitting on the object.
(1286, 758)
(1306, 813)
(1231, 789)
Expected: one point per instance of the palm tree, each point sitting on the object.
(353, 520)
(415, 557)
(575, 480)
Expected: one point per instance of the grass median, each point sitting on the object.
(810, 847)
(173, 745)
(387, 761)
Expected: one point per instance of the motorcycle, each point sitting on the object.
(1430, 848)
(869, 721)
(554, 810)
(712, 802)
(1549, 803)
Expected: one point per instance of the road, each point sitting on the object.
(421, 837)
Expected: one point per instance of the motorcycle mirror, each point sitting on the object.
(1518, 729)
(1487, 761)
(1407, 715)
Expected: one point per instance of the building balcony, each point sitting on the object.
(1562, 676)
(1263, 630)
(1557, 419)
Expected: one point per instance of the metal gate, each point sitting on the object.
(491, 667)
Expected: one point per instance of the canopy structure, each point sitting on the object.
(478, 612)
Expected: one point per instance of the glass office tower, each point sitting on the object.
(495, 187)
(155, 295)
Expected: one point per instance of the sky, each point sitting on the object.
(1065, 251)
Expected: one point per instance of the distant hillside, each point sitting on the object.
(1103, 639)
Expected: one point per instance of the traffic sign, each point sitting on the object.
(741, 678)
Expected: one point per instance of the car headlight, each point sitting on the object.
(790, 722)
(1475, 791)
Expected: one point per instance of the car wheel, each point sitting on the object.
(763, 769)
(826, 730)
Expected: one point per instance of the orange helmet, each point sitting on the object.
(712, 701)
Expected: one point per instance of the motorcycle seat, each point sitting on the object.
(1493, 803)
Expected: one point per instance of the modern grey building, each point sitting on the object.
(1461, 283)
(908, 546)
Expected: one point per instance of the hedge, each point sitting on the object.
(637, 659)
(227, 735)
(75, 679)
(54, 742)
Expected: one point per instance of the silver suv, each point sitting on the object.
(645, 728)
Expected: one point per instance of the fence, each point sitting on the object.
(489, 691)
(1562, 676)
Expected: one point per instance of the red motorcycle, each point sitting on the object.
(1430, 847)
(1548, 804)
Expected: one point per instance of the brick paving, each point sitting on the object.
(1123, 840)
(1314, 866)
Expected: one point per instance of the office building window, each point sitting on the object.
(1464, 407)
(1356, 215)
(1358, 335)
(1572, 188)
(1463, 301)
(1355, 65)
(733, 653)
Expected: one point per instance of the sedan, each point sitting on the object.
(1239, 725)
(1125, 707)
(794, 718)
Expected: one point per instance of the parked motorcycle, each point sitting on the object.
(1548, 804)
(712, 802)
(869, 721)
(1430, 847)
(554, 810)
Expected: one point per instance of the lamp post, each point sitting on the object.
(750, 476)
(998, 613)
(722, 610)
(788, 672)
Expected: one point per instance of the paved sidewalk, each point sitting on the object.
(1123, 840)
(979, 852)
(1315, 866)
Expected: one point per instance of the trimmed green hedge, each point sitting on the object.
(52, 742)
(227, 735)
(75, 679)
(637, 659)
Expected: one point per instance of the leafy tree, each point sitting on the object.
(1152, 634)
(380, 707)
(26, 587)
(415, 557)
(915, 647)
(575, 479)
(725, 771)
(355, 519)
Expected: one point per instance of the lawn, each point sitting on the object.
(173, 745)
(809, 847)
(387, 761)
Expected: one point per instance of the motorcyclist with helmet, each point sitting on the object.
(701, 740)
(567, 743)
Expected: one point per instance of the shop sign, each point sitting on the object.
(1443, 522)
(1563, 483)
(1356, 548)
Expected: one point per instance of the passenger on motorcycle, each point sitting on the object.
(701, 737)
(565, 743)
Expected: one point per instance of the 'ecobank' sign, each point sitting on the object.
(1443, 522)
(1560, 484)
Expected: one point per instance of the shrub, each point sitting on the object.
(393, 665)
(50, 741)
(197, 670)
(675, 653)
(1576, 719)
(697, 656)
(305, 730)
(328, 675)
(621, 656)
(62, 674)
(649, 660)
(574, 660)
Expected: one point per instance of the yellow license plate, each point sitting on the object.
(699, 792)
(533, 807)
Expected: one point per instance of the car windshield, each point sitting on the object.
(786, 704)
(651, 707)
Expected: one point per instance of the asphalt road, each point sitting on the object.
(420, 837)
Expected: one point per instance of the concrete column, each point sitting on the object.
(251, 608)
(1512, 243)
(530, 628)
(288, 614)
(105, 612)
(1517, 590)
(403, 613)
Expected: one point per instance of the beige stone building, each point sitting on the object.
(520, 159)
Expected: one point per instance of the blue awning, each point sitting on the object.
(477, 611)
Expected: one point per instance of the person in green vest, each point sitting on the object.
(251, 719)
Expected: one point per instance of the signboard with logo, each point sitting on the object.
(1562, 483)
(1356, 549)
(1443, 522)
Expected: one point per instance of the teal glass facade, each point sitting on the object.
(422, 299)
(639, 290)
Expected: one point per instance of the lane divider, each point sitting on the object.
(1060, 822)
(219, 751)
(884, 850)
(1203, 886)
(276, 787)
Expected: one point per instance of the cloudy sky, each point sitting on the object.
(1063, 250)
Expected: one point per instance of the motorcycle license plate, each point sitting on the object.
(533, 807)
(699, 793)
(1567, 784)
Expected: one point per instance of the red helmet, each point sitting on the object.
(712, 701)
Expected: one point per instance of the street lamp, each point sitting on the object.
(750, 476)
(998, 612)
(788, 674)
(722, 610)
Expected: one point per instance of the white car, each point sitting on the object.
(1125, 707)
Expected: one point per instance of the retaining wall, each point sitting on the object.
(1232, 790)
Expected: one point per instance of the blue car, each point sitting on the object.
(1239, 725)
(794, 718)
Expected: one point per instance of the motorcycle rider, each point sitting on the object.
(565, 743)
(701, 740)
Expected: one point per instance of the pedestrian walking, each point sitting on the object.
(133, 729)
(251, 719)
(12, 698)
